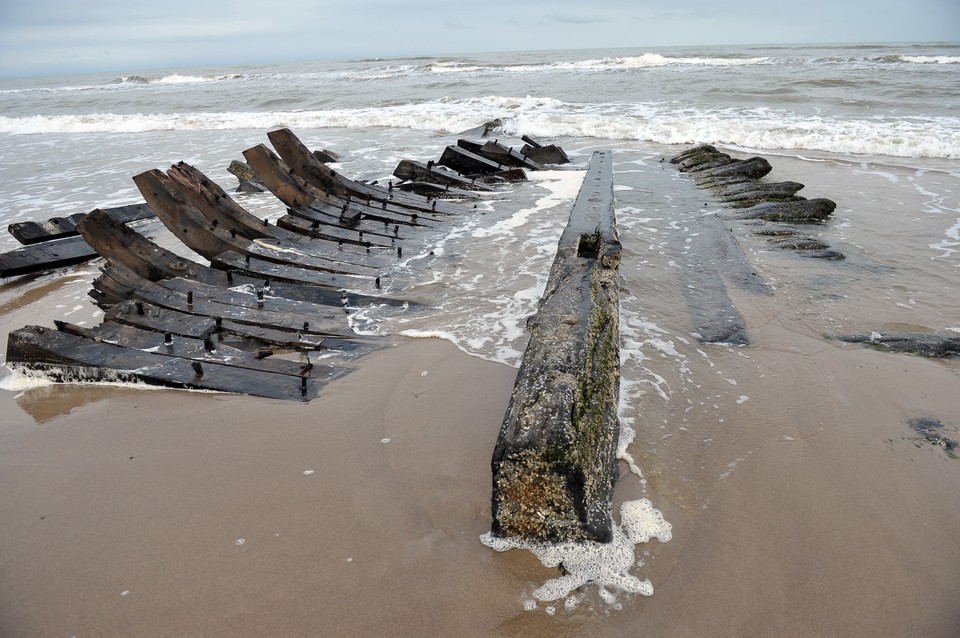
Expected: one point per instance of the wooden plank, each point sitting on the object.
(468, 163)
(32, 232)
(211, 349)
(189, 225)
(549, 154)
(494, 151)
(298, 195)
(57, 253)
(308, 223)
(261, 269)
(414, 171)
(256, 296)
(437, 190)
(150, 317)
(45, 256)
(121, 244)
(508, 156)
(67, 357)
(314, 172)
(228, 305)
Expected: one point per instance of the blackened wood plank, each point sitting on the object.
(32, 232)
(67, 357)
(45, 256)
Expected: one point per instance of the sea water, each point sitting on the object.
(874, 127)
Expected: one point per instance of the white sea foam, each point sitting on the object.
(604, 565)
(951, 244)
(932, 59)
(667, 123)
(645, 61)
(499, 275)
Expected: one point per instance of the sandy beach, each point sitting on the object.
(130, 512)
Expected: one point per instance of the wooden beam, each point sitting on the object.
(554, 465)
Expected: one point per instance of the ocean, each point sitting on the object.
(875, 127)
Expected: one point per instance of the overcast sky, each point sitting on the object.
(42, 37)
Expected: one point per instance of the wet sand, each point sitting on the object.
(155, 513)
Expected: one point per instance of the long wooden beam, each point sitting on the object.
(554, 465)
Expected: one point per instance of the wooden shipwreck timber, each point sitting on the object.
(271, 289)
(272, 300)
(554, 465)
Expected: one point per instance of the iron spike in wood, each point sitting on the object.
(554, 465)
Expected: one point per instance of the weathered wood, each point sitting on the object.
(752, 167)
(32, 232)
(919, 343)
(260, 269)
(126, 246)
(429, 189)
(418, 171)
(123, 245)
(150, 317)
(510, 156)
(45, 256)
(506, 175)
(554, 465)
(216, 206)
(258, 308)
(307, 222)
(189, 225)
(68, 357)
(298, 194)
(736, 183)
(226, 214)
(67, 251)
(696, 150)
(543, 154)
(743, 196)
(467, 163)
(732, 192)
(260, 296)
(209, 349)
(496, 152)
(704, 161)
(302, 162)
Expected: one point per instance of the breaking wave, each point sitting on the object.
(666, 123)
(176, 78)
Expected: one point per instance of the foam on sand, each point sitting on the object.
(607, 565)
